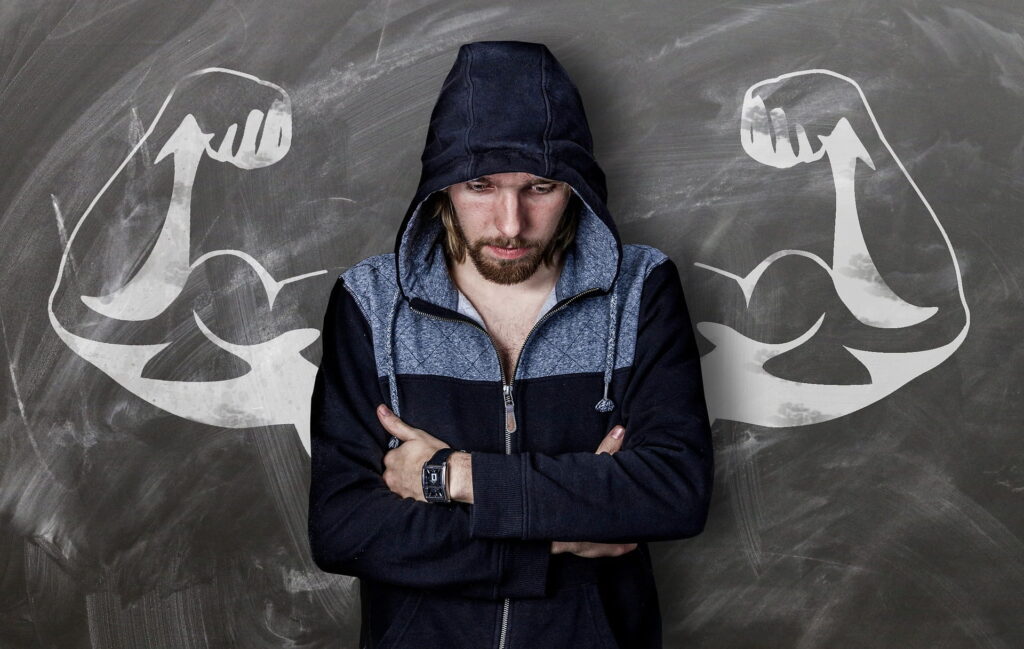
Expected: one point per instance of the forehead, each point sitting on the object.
(512, 178)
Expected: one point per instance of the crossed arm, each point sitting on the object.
(655, 488)
(403, 467)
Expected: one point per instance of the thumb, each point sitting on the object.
(613, 440)
(393, 423)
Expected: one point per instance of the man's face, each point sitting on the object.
(507, 221)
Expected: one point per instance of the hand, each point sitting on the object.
(591, 549)
(403, 466)
(610, 444)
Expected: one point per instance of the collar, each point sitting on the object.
(466, 308)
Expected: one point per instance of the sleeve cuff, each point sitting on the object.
(498, 496)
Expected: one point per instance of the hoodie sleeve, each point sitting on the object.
(656, 487)
(357, 525)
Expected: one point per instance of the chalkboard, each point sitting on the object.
(839, 184)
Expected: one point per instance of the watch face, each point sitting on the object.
(433, 484)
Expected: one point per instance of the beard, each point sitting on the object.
(505, 271)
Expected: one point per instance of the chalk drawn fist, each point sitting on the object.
(797, 117)
(231, 117)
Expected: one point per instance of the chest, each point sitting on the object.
(509, 330)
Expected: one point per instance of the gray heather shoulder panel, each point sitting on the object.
(424, 344)
(570, 341)
(372, 283)
(574, 340)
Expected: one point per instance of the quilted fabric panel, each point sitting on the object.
(570, 340)
(574, 339)
(423, 344)
(429, 345)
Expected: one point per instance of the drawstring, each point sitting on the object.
(606, 404)
(390, 353)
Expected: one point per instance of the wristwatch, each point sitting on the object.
(435, 476)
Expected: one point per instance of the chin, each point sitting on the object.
(514, 273)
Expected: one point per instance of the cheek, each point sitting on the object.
(473, 213)
(548, 217)
(471, 228)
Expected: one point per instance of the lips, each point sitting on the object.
(508, 253)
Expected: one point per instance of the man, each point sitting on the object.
(512, 336)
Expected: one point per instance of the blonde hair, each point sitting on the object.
(456, 249)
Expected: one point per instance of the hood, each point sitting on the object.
(507, 106)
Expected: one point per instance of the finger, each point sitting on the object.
(804, 150)
(780, 125)
(624, 548)
(747, 120)
(394, 424)
(760, 139)
(252, 127)
(610, 444)
(277, 131)
(224, 150)
(388, 419)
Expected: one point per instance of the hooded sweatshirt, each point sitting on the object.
(615, 347)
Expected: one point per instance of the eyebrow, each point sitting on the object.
(537, 181)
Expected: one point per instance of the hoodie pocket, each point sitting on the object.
(434, 619)
(570, 617)
(599, 616)
(396, 629)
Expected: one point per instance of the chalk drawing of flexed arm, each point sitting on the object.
(739, 388)
(276, 387)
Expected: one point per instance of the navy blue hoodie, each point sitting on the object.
(617, 347)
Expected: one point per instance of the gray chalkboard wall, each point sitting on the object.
(857, 297)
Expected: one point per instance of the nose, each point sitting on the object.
(511, 214)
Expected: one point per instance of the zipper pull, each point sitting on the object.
(510, 409)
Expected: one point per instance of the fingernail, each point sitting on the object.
(618, 432)
(384, 410)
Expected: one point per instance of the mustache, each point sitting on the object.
(506, 243)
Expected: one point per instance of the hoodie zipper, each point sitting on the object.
(508, 402)
(507, 385)
(510, 413)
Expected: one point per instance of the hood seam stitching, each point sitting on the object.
(472, 117)
(547, 112)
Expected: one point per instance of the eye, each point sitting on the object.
(544, 189)
(475, 186)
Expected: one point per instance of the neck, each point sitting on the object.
(477, 287)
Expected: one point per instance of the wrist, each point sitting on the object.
(460, 476)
